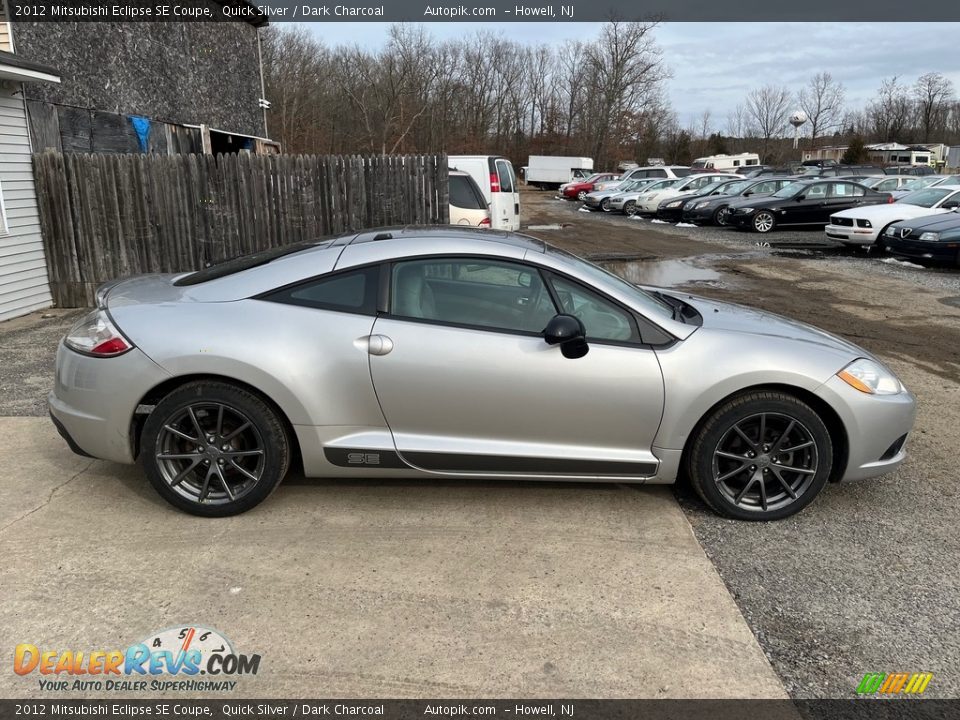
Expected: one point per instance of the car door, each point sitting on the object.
(468, 385)
(808, 208)
(507, 205)
(841, 196)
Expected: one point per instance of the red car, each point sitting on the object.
(579, 190)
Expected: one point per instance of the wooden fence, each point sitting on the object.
(109, 216)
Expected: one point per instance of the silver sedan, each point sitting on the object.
(439, 352)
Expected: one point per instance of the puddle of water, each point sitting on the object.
(664, 273)
(953, 301)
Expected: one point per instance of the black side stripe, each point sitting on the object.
(460, 462)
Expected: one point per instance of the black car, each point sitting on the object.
(713, 210)
(919, 170)
(672, 208)
(803, 202)
(934, 238)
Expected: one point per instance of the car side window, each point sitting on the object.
(505, 176)
(764, 187)
(602, 319)
(816, 191)
(354, 291)
(657, 173)
(472, 291)
(844, 190)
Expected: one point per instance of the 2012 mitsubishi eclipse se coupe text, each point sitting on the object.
(425, 352)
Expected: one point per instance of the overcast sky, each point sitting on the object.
(714, 65)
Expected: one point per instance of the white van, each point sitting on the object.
(497, 181)
(726, 163)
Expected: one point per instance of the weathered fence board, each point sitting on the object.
(109, 216)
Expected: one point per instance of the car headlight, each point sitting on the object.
(891, 232)
(930, 236)
(747, 211)
(701, 205)
(871, 378)
(675, 203)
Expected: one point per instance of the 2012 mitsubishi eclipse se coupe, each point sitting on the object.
(425, 352)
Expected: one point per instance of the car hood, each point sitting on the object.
(766, 201)
(935, 223)
(741, 319)
(888, 212)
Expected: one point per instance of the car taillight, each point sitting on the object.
(484, 223)
(890, 199)
(494, 182)
(96, 335)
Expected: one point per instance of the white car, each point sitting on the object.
(626, 202)
(648, 202)
(467, 204)
(863, 225)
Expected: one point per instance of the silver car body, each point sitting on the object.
(620, 199)
(425, 398)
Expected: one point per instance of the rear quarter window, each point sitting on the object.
(464, 193)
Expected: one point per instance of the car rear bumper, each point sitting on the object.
(94, 400)
(877, 427)
(698, 217)
(669, 214)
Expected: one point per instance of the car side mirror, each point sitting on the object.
(568, 332)
(798, 198)
(953, 205)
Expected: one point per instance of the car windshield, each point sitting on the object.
(789, 190)
(738, 186)
(926, 198)
(650, 302)
(661, 184)
(921, 183)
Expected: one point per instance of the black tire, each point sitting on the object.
(605, 204)
(720, 215)
(249, 455)
(763, 222)
(714, 458)
(630, 208)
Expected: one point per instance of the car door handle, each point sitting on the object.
(379, 344)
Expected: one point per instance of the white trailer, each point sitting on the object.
(552, 171)
(725, 163)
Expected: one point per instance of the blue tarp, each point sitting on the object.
(142, 126)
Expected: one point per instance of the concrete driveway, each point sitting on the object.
(376, 589)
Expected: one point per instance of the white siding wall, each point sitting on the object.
(23, 269)
(4, 33)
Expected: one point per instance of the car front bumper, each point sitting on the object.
(876, 426)
(670, 214)
(851, 234)
(94, 400)
(941, 252)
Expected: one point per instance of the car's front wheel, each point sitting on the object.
(760, 456)
(764, 222)
(630, 208)
(605, 204)
(720, 215)
(214, 449)
(582, 195)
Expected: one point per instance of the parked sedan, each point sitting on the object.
(672, 208)
(863, 225)
(713, 211)
(930, 239)
(579, 190)
(649, 200)
(458, 354)
(626, 202)
(804, 202)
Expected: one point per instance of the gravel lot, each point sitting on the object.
(865, 579)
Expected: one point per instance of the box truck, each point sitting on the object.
(552, 171)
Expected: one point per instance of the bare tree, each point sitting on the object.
(889, 114)
(768, 108)
(822, 100)
(933, 94)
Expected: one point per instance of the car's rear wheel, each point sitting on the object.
(720, 215)
(764, 222)
(582, 195)
(630, 208)
(760, 456)
(213, 449)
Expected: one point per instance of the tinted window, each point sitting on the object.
(602, 319)
(353, 291)
(471, 291)
(505, 175)
(681, 172)
(245, 262)
(789, 190)
(464, 193)
(657, 173)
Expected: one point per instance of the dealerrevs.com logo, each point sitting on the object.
(191, 658)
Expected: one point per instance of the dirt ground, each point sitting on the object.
(865, 579)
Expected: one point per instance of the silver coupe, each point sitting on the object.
(446, 352)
